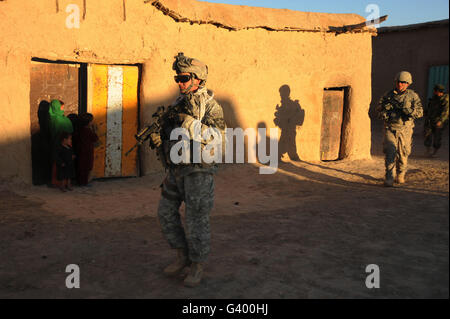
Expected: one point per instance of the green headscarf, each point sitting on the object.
(58, 122)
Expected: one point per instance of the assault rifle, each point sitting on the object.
(395, 110)
(161, 116)
(145, 133)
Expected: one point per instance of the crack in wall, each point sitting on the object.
(179, 18)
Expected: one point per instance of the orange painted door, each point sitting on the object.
(113, 100)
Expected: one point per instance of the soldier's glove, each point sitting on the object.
(155, 140)
(408, 111)
(393, 116)
(388, 107)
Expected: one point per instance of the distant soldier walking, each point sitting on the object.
(436, 119)
(195, 110)
(398, 109)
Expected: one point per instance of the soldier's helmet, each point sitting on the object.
(184, 64)
(439, 88)
(404, 76)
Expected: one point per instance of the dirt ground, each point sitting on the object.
(309, 231)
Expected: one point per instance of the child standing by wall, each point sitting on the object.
(64, 159)
(85, 141)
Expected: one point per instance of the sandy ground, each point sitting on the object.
(308, 231)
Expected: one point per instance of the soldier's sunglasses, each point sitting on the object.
(182, 78)
(404, 82)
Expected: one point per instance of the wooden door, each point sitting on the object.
(113, 100)
(332, 116)
(49, 81)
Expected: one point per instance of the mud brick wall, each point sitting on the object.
(251, 54)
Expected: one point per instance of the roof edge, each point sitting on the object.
(228, 17)
(408, 27)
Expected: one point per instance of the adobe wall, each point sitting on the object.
(247, 68)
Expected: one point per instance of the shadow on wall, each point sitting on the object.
(288, 116)
(229, 113)
(40, 146)
(232, 121)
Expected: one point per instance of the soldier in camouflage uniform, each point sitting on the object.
(398, 109)
(196, 111)
(436, 119)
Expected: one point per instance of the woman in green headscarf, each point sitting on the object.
(58, 124)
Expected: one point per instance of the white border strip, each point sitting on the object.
(113, 160)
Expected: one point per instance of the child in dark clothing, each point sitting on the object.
(73, 117)
(64, 159)
(85, 141)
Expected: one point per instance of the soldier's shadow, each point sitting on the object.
(289, 115)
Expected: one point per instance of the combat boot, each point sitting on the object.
(434, 153)
(389, 179)
(176, 267)
(401, 178)
(195, 275)
(389, 182)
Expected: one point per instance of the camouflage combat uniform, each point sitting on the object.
(436, 111)
(398, 110)
(191, 183)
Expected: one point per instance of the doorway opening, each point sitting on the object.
(335, 117)
(49, 80)
(109, 92)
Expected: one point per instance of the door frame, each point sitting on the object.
(345, 120)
